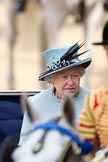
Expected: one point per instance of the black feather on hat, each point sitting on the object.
(71, 53)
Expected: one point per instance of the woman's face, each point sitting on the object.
(67, 81)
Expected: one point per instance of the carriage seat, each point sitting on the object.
(11, 114)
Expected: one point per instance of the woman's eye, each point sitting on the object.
(75, 75)
(64, 77)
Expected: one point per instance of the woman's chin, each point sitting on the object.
(70, 92)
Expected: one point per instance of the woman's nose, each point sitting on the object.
(70, 80)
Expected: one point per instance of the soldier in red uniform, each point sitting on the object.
(94, 117)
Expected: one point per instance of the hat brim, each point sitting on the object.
(84, 63)
(100, 43)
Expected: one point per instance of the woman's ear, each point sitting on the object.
(50, 79)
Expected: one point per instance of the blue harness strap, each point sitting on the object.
(85, 145)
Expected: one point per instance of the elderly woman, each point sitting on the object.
(64, 72)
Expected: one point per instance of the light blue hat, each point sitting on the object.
(59, 59)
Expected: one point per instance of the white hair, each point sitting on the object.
(49, 78)
(82, 71)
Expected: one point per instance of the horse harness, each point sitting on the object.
(81, 148)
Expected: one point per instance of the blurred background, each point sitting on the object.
(27, 60)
